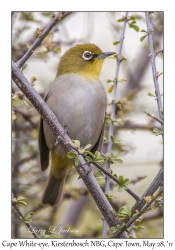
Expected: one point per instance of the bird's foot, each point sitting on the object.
(58, 139)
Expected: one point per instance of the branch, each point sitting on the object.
(153, 65)
(111, 127)
(157, 182)
(41, 37)
(133, 84)
(143, 210)
(27, 224)
(152, 116)
(129, 191)
(64, 140)
(135, 126)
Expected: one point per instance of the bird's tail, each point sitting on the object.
(53, 194)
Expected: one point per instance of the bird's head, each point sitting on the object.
(84, 59)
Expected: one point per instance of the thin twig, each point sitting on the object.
(156, 183)
(40, 38)
(64, 140)
(160, 51)
(135, 126)
(129, 191)
(144, 209)
(114, 106)
(106, 172)
(27, 224)
(153, 65)
(152, 116)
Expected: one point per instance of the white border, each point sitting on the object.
(5, 105)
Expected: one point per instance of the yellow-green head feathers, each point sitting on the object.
(84, 59)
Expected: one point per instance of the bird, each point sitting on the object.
(79, 101)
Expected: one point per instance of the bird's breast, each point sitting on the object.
(79, 104)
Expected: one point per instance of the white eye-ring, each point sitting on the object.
(87, 55)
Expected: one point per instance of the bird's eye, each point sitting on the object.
(87, 55)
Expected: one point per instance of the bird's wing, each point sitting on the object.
(99, 143)
(43, 149)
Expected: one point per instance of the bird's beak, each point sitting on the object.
(105, 54)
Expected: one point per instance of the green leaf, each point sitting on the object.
(112, 138)
(114, 56)
(71, 155)
(135, 27)
(110, 196)
(105, 140)
(124, 211)
(157, 131)
(87, 146)
(99, 173)
(119, 160)
(121, 20)
(47, 236)
(117, 141)
(81, 150)
(108, 119)
(124, 58)
(21, 198)
(142, 38)
(119, 106)
(109, 81)
(117, 122)
(76, 161)
(89, 159)
(15, 102)
(24, 66)
(110, 89)
(90, 153)
(115, 229)
(123, 183)
(116, 42)
(138, 227)
(149, 94)
(38, 31)
(76, 143)
(28, 45)
(132, 18)
(22, 202)
(99, 160)
(120, 179)
(122, 80)
(126, 181)
(97, 154)
(143, 31)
